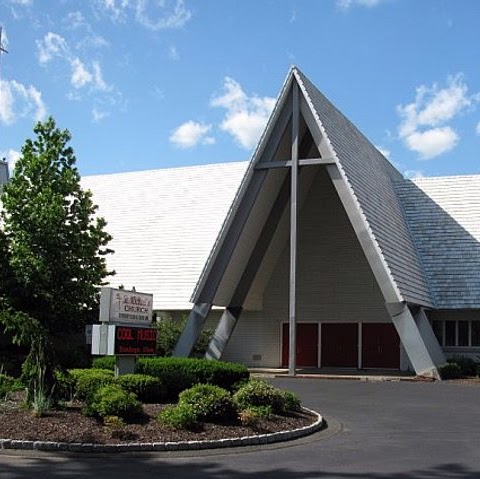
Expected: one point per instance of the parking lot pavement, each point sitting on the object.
(378, 430)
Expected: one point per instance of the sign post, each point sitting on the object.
(125, 330)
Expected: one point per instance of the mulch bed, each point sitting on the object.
(69, 425)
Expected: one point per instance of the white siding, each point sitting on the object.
(335, 282)
(371, 177)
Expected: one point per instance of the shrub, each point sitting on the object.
(260, 393)
(104, 362)
(7, 385)
(88, 381)
(478, 369)
(291, 402)
(251, 415)
(450, 371)
(210, 403)
(148, 389)
(112, 400)
(468, 366)
(178, 374)
(168, 333)
(181, 416)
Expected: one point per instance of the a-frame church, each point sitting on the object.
(327, 256)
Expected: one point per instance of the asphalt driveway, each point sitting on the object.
(378, 430)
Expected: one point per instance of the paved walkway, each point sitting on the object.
(378, 430)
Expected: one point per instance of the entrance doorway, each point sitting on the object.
(307, 345)
(380, 346)
(340, 345)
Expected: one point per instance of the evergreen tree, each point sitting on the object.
(53, 253)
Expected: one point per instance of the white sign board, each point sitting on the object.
(127, 307)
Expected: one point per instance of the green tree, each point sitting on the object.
(53, 254)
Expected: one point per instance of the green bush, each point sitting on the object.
(291, 402)
(478, 370)
(210, 403)
(251, 416)
(178, 374)
(181, 416)
(168, 333)
(112, 400)
(88, 381)
(7, 385)
(148, 389)
(468, 366)
(104, 362)
(258, 392)
(450, 371)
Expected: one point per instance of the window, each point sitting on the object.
(475, 333)
(462, 333)
(457, 333)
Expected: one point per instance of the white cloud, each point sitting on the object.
(345, 5)
(55, 46)
(477, 129)
(75, 19)
(52, 45)
(22, 2)
(245, 116)
(98, 115)
(155, 15)
(12, 157)
(80, 75)
(190, 134)
(161, 15)
(20, 101)
(432, 142)
(423, 128)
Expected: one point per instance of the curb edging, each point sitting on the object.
(261, 439)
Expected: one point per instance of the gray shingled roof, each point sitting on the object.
(444, 218)
(371, 177)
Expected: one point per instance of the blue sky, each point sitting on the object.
(145, 84)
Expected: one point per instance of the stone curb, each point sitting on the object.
(260, 439)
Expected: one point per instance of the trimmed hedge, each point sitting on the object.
(88, 381)
(450, 371)
(467, 365)
(148, 389)
(178, 374)
(104, 362)
(112, 400)
(259, 393)
(210, 403)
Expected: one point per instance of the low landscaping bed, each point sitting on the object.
(95, 407)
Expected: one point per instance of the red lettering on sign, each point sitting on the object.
(125, 334)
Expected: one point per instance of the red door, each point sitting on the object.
(380, 346)
(307, 344)
(340, 345)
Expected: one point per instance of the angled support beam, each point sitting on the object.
(429, 338)
(224, 331)
(194, 326)
(412, 340)
(233, 228)
(230, 316)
